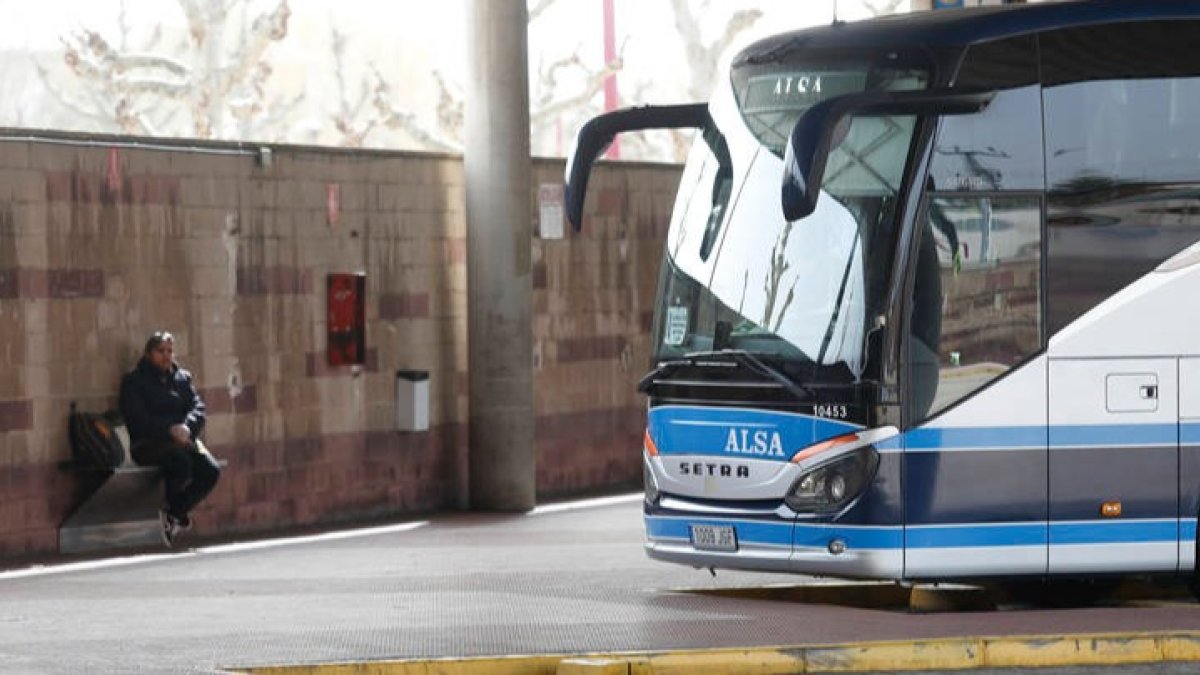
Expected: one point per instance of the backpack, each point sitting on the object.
(94, 440)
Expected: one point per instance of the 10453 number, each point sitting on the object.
(838, 412)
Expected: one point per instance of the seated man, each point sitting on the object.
(164, 416)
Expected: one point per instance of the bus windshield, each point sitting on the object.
(739, 276)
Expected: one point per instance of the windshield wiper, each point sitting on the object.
(643, 385)
(738, 356)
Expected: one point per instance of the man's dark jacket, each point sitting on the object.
(153, 401)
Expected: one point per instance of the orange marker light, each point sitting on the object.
(824, 446)
(648, 443)
(1110, 509)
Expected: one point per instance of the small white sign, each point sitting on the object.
(677, 325)
(550, 211)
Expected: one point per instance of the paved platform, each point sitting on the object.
(561, 580)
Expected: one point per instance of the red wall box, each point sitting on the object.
(346, 331)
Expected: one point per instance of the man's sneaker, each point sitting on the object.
(169, 527)
(183, 524)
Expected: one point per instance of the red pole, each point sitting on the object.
(610, 82)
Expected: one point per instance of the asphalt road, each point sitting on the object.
(558, 580)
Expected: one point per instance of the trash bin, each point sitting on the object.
(412, 400)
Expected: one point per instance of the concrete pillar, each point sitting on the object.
(499, 281)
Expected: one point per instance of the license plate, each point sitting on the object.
(714, 537)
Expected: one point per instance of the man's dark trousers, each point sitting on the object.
(188, 473)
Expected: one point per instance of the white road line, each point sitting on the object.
(86, 565)
(313, 538)
(585, 504)
(107, 563)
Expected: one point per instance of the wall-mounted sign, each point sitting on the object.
(114, 169)
(333, 206)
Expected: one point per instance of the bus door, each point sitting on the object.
(975, 460)
(975, 453)
(1114, 463)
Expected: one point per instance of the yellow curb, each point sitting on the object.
(1181, 647)
(497, 665)
(592, 666)
(1079, 651)
(932, 654)
(761, 661)
(915, 655)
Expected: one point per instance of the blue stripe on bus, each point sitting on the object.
(1114, 532)
(856, 538)
(1189, 433)
(974, 437)
(689, 430)
(1034, 437)
(981, 535)
(780, 533)
(697, 430)
(1035, 534)
(1114, 435)
(950, 536)
(752, 532)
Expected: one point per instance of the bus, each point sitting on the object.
(924, 304)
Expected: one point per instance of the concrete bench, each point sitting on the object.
(121, 514)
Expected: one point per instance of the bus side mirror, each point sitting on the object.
(825, 125)
(595, 137)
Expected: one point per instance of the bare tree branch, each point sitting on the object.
(267, 28)
(137, 85)
(220, 84)
(738, 23)
(593, 84)
(400, 119)
(703, 58)
(537, 9)
(548, 77)
(449, 110)
(344, 120)
(197, 20)
(94, 113)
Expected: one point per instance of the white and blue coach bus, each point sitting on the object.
(929, 306)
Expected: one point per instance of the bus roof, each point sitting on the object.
(962, 27)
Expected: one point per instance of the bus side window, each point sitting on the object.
(1000, 148)
(1122, 156)
(976, 305)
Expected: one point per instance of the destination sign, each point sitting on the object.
(797, 90)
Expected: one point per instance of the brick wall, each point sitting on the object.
(991, 312)
(102, 242)
(593, 304)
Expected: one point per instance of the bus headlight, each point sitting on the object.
(831, 486)
(651, 485)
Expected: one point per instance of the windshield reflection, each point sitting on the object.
(737, 275)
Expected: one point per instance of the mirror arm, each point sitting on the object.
(595, 137)
(811, 140)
